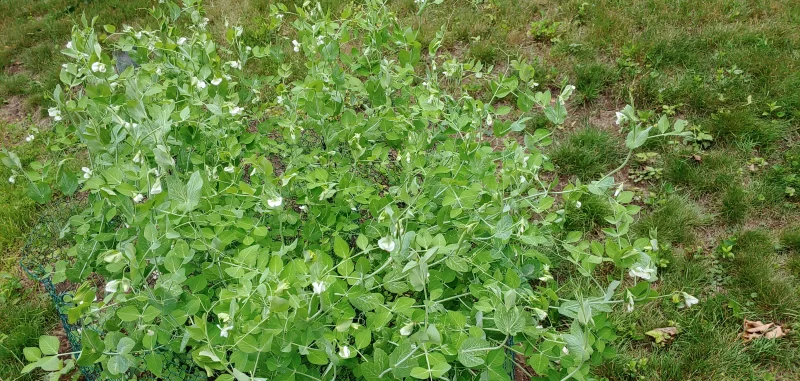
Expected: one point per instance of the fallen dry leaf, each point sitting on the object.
(697, 158)
(663, 335)
(756, 329)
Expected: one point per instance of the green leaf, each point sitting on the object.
(372, 370)
(556, 113)
(128, 313)
(32, 353)
(125, 345)
(473, 351)
(41, 192)
(49, 345)
(154, 363)
(367, 302)
(636, 139)
(400, 359)
(193, 190)
(67, 183)
(50, 364)
(509, 322)
(437, 367)
(340, 247)
(503, 229)
(317, 357)
(539, 362)
(118, 364)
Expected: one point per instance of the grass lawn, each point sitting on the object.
(731, 68)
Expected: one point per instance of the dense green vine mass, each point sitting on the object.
(370, 220)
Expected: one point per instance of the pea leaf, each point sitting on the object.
(49, 345)
(473, 351)
(509, 321)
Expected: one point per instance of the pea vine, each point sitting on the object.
(360, 216)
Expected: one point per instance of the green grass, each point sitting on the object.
(730, 67)
(587, 153)
(674, 220)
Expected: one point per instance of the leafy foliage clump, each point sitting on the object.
(362, 221)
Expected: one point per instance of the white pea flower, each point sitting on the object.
(630, 302)
(279, 16)
(150, 332)
(87, 173)
(565, 350)
(621, 118)
(303, 208)
(407, 329)
(275, 202)
(239, 30)
(318, 287)
(224, 331)
(216, 81)
(320, 40)
(618, 191)
(30, 138)
(344, 352)
(689, 300)
(158, 70)
(386, 243)
(296, 45)
(234, 64)
(522, 179)
(156, 188)
(236, 110)
(489, 120)
(138, 198)
(640, 272)
(578, 204)
(12, 179)
(99, 67)
(69, 44)
(54, 113)
(279, 99)
(138, 157)
(229, 169)
(201, 84)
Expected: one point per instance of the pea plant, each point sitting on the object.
(358, 216)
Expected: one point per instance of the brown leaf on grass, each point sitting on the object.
(697, 157)
(663, 335)
(756, 329)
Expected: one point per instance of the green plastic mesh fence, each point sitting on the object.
(46, 244)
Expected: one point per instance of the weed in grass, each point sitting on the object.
(674, 220)
(587, 153)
